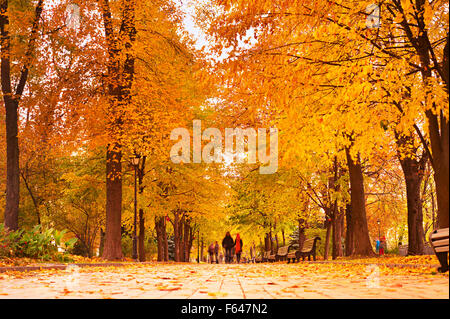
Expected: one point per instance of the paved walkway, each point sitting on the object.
(245, 281)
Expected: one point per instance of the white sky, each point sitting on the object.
(188, 7)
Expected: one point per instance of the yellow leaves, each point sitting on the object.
(428, 13)
(398, 18)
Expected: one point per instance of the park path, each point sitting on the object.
(243, 281)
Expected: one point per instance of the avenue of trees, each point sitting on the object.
(360, 102)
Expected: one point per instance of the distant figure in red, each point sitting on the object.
(238, 247)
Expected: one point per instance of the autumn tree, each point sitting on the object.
(13, 82)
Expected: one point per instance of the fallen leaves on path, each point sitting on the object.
(214, 281)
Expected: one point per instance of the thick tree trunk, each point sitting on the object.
(178, 235)
(337, 234)
(349, 243)
(413, 171)
(113, 246)
(270, 241)
(362, 245)
(440, 149)
(12, 166)
(267, 242)
(301, 233)
(415, 214)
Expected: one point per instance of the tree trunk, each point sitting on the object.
(413, 179)
(102, 242)
(176, 235)
(349, 243)
(165, 240)
(140, 175)
(190, 243)
(301, 233)
(327, 236)
(415, 215)
(201, 250)
(12, 166)
(270, 240)
(159, 237)
(337, 234)
(267, 242)
(113, 236)
(413, 171)
(361, 240)
(181, 238)
(186, 235)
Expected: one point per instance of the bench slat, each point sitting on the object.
(441, 242)
(440, 233)
(434, 238)
(441, 249)
(442, 230)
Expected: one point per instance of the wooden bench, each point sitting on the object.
(265, 256)
(280, 255)
(439, 241)
(309, 248)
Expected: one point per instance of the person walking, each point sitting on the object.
(216, 252)
(227, 244)
(238, 248)
(211, 249)
(253, 253)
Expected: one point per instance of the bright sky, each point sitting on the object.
(188, 7)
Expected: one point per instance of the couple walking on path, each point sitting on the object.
(228, 244)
